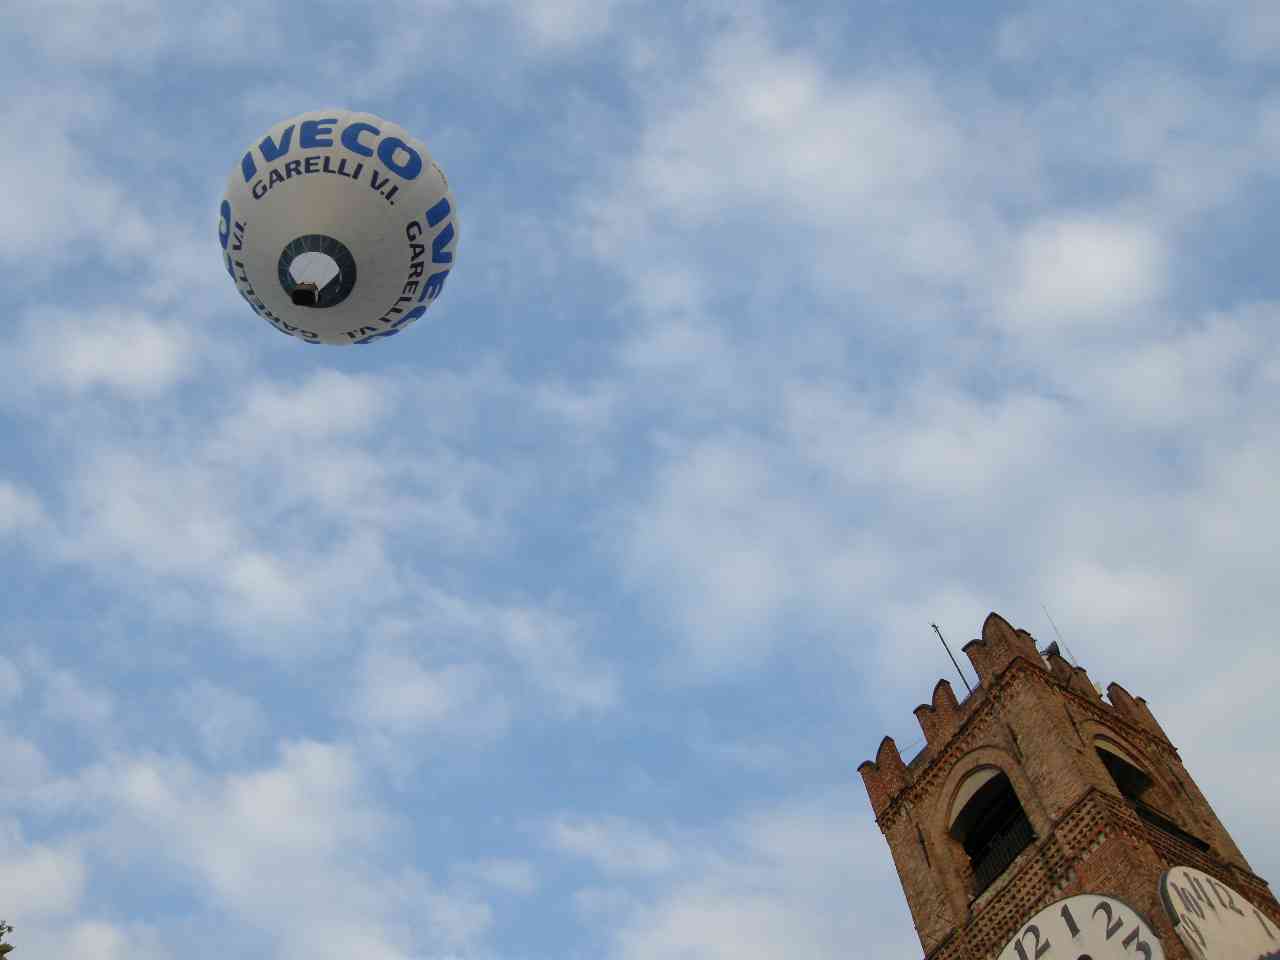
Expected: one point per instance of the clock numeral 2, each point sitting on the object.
(1040, 948)
(1113, 926)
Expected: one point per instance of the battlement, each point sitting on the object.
(999, 645)
(942, 718)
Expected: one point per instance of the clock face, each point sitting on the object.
(1214, 921)
(1084, 927)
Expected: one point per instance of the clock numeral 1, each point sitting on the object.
(1071, 921)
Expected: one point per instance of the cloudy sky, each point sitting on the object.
(556, 628)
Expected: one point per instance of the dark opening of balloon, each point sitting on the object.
(316, 271)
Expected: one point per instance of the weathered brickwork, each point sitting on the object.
(1040, 721)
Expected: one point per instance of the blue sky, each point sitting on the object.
(557, 627)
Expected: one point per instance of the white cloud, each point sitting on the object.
(39, 881)
(328, 403)
(169, 518)
(457, 921)
(559, 25)
(883, 183)
(72, 700)
(134, 33)
(96, 940)
(733, 540)
(398, 694)
(586, 410)
(1198, 377)
(25, 767)
(66, 207)
(547, 644)
(10, 681)
(614, 845)
(19, 509)
(1085, 270)
(514, 876)
(1250, 29)
(118, 348)
(300, 853)
(287, 509)
(225, 720)
(807, 879)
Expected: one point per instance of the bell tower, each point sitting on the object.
(1035, 788)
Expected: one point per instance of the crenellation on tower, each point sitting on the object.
(999, 644)
(1059, 668)
(941, 717)
(1080, 683)
(1149, 720)
(1036, 787)
(886, 776)
(1125, 703)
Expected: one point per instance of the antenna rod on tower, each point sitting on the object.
(1074, 662)
(952, 656)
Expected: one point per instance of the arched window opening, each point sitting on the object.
(1147, 799)
(992, 827)
(1134, 784)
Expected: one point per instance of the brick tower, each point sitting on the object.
(1036, 788)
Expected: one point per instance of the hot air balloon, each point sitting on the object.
(338, 227)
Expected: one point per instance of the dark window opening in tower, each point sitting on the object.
(1135, 786)
(1145, 797)
(993, 829)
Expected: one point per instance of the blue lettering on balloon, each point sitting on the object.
(351, 137)
(387, 154)
(433, 287)
(248, 167)
(312, 131)
(438, 212)
(438, 252)
(378, 336)
(273, 151)
(224, 224)
(409, 317)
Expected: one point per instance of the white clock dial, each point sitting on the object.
(1084, 927)
(1216, 922)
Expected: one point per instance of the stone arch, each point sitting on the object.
(1098, 736)
(980, 771)
(1002, 759)
(1145, 784)
(974, 781)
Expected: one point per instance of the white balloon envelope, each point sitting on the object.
(338, 227)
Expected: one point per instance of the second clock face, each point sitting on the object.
(1214, 921)
(1084, 927)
